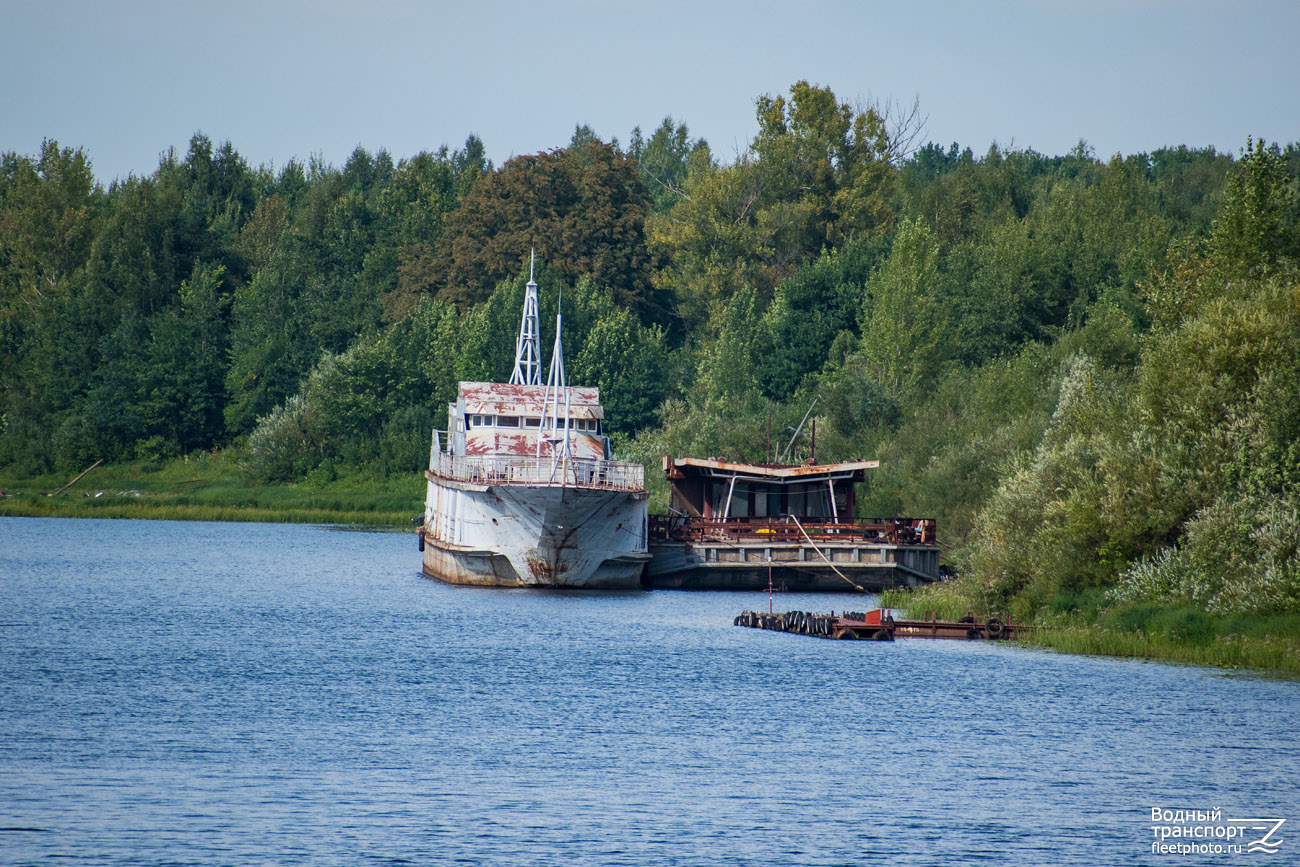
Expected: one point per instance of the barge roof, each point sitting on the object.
(774, 472)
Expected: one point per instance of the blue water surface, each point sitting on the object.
(243, 694)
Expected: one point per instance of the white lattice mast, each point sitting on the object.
(555, 428)
(528, 354)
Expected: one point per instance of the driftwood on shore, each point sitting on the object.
(78, 478)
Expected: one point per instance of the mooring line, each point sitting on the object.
(860, 588)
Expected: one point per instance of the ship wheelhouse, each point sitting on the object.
(508, 419)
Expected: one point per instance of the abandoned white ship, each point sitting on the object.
(525, 493)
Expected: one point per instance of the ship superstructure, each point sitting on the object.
(522, 490)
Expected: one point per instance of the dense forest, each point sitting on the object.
(1087, 369)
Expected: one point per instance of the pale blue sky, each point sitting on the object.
(126, 79)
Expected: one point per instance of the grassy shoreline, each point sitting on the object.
(209, 488)
(1085, 624)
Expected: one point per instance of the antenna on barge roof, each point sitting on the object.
(528, 354)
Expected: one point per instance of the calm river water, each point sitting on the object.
(236, 694)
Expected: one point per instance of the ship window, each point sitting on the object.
(507, 421)
(476, 421)
(532, 421)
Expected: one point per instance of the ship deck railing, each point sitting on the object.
(521, 470)
(783, 531)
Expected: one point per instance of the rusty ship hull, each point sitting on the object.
(532, 535)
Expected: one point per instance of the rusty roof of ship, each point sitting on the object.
(497, 398)
(718, 466)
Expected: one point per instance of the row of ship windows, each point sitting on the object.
(578, 424)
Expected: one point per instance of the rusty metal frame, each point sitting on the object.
(894, 531)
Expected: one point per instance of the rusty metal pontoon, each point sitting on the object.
(880, 625)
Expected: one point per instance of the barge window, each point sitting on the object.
(739, 501)
(507, 421)
(532, 421)
(808, 501)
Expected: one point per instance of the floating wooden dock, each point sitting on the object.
(881, 625)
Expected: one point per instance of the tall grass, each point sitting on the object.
(949, 600)
(210, 488)
(1279, 654)
(1083, 622)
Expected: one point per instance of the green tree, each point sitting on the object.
(47, 224)
(811, 309)
(816, 176)
(582, 209)
(664, 161)
(271, 345)
(182, 390)
(826, 165)
(50, 212)
(710, 244)
(627, 361)
(1259, 227)
(903, 330)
